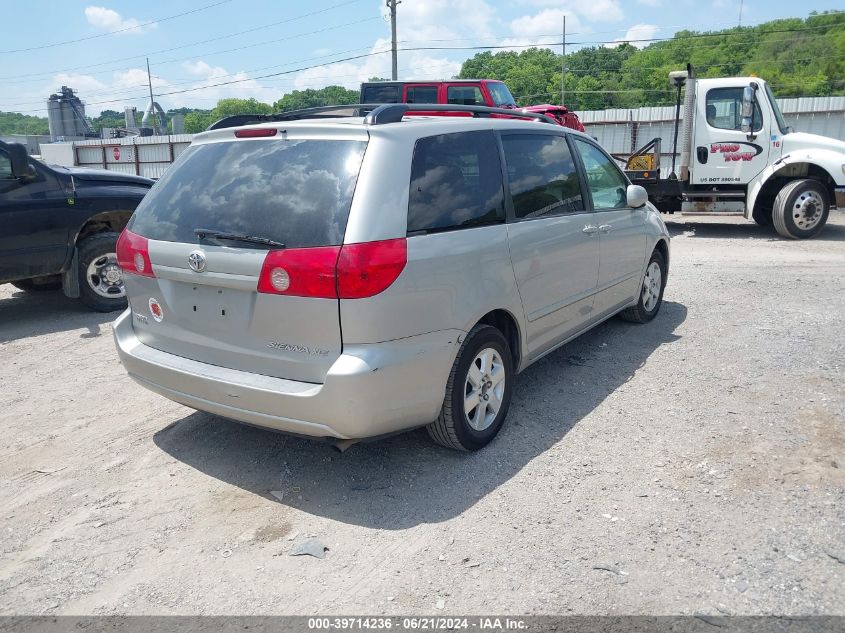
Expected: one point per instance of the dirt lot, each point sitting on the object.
(692, 465)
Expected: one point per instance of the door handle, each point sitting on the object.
(606, 228)
(590, 229)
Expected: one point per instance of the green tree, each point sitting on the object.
(229, 107)
(197, 121)
(310, 98)
(17, 123)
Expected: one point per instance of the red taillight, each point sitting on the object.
(353, 271)
(256, 132)
(366, 269)
(302, 272)
(133, 254)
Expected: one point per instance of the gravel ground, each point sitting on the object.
(692, 465)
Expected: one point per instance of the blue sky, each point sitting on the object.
(243, 41)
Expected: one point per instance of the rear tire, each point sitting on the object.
(482, 375)
(39, 284)
(651, 291)
(100, 280)
(801, 209)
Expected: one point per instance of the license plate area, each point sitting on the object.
(208, 307)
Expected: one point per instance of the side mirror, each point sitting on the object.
(20, 162)
(636, 196)
(747, 112)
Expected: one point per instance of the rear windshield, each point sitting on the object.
(296, 192)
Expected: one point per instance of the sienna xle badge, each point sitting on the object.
(348, 278)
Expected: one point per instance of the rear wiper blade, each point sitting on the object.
(237, 237)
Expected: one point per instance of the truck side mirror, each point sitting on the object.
(21, 168)
(748, 98)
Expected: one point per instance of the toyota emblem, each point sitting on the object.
(196, 260)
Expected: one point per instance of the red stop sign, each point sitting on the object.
(117, 153)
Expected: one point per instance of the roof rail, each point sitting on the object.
(373, 113)
(332, 111)
(393, 112)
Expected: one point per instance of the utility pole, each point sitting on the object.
(392, 6)
(740, 12)
(152, 108)
(563, 66)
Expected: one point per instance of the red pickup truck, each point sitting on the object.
(483, 92)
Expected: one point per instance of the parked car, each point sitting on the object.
(470, 92)
(350, 278)
(60, 227)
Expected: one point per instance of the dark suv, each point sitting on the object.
(60, 227)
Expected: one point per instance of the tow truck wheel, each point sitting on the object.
(801, 209)
(100, 278)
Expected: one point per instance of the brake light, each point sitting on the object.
(353, 271)
(301, 272)
(133, 254)
(255, 132)
(366, 269)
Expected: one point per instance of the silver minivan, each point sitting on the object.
(349, 278)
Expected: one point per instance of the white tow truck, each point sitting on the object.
(738, 155)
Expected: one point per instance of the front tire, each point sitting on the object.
(651, 291)
(801, 209)
(478, 392)
(100, 278)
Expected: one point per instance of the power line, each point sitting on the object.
(33, 77)
(128, 28)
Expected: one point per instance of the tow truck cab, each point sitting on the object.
(737, 154)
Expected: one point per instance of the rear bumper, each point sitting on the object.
(370, 390)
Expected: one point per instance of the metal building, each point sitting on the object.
(66, 117)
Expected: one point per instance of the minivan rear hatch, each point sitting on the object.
(200, 242)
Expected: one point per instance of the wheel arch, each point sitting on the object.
(773, 179)
(662, 245)
(504, 321)
(103, 222)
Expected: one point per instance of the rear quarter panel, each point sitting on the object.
(451, 280)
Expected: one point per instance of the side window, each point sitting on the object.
(5, 167)
(381, 94)
(421, 94)
(607, 184)
(456, 181)
(724, 109)
(464, 95)
(542, 176)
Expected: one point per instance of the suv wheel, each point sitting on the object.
(651, 292)
(100, 278)
(478, 392)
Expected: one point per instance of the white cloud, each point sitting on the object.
(111, 20)
(350, 74)
(638, 32)
(447, 19)
(426, 21)
(238, 84)
(542, 29)
(592, 10)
